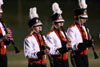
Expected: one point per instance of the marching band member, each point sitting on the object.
(34, 48)
(56, 39)
(78, 35)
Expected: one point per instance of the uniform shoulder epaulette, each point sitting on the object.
(50, 31)
(71, 25)
(28, 36)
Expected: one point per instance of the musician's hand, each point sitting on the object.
(68, 45)
(47, 51)
(9, 34)
(69, 40)
(91, 38)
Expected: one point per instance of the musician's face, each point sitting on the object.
(38, 28)
(83, 21)
(59, 25)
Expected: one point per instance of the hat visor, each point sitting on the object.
(84, 16)
(38, 24)
(59, 20)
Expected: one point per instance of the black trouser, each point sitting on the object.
(35, 65)
(60, 62)
(81, 60)
(3, 60)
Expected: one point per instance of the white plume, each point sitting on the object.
(1, 2)
(33, 13)
(82, 4)
(56, 8)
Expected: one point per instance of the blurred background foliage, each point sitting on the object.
(16, 16)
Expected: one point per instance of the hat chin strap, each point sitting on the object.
(35, 31)
(57, 27)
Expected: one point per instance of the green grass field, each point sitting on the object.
(19, 60)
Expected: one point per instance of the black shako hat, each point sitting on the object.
(57, 18)
(82, 13)
(57, 13)
(34, 22)
(34, 18)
